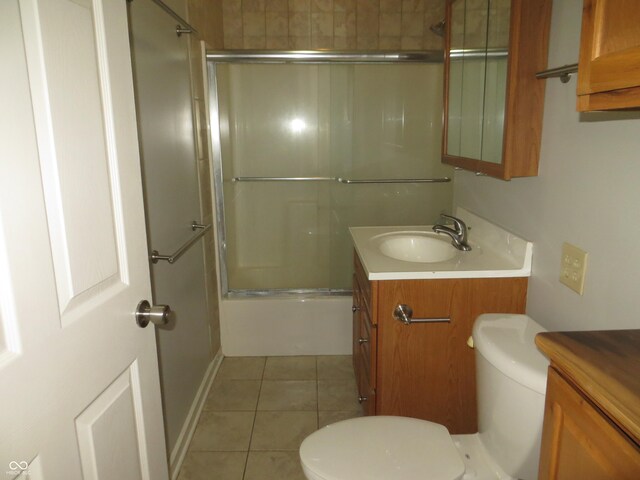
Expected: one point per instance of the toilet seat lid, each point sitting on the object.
(381, 448)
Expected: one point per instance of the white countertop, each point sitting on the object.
(495, 253)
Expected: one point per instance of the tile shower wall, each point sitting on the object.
(331, 24)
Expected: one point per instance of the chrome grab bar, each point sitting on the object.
(283, 179)
(156, 257)
(346, 181)
(184, 26)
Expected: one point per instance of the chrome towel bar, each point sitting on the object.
(564, 72)
(156, 257)
(341, 180)
(396, 180)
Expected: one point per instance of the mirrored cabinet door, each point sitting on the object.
(493, 102)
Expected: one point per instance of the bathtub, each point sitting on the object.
(286, 325)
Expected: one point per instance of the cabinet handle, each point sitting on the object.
(355, 308)
(361, 399)
(363, 340)
(404, 313)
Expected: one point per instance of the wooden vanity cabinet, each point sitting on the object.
(609, 66)
(425, 369)
(579, 441)
(591, 424)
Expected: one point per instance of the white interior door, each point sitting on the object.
(78, 378)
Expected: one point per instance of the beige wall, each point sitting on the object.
(206, 17)
(331, 24)
(587, 193)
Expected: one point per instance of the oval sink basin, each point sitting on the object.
(419, 247)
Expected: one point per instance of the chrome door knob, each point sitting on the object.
(355, 308)
(156, 314)
(362, 399)
(363, 340)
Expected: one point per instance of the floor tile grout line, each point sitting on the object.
(255, 414)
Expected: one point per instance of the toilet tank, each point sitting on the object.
(511, 377)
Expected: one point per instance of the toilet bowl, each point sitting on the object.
(511, 379)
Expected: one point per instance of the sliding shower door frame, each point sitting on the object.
(266, 56)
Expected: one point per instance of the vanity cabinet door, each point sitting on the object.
(493, 101)
(579, 441)
(426, 369)
(609, 68)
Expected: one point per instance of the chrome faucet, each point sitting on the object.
(458, 233)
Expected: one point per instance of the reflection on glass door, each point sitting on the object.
(293, 137)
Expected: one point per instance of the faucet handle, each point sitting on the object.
(460, 226)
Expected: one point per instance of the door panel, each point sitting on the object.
(64, 50)
(73, 257)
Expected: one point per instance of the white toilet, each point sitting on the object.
(511, 379)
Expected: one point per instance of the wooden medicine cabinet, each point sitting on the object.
(609, 68)
(493, 101)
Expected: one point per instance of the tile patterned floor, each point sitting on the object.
(260, 409)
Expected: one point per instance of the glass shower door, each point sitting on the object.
(296, 143)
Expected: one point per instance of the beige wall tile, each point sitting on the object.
(277, 43)
(322, 43)
(344, 24)
(367, 6)
(412, 25)
(231, 6)
(411, 43)
(253, 43)
(277, 5)
(412, 5)
(344, 5)
(389, 43)
(277, 24)
(253, 24)
(300, 42)
(367, 24)
(233, 43)
(367, 43)
(299, 5)
(345, 43)
(322, 5)
(390, 24)
(253, 5)
(432, 41)
(391, 6)
(322, 24)
(232, 24)
(299, 24)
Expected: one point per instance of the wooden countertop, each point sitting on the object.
(605, 365)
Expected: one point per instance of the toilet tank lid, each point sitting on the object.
(507, 342)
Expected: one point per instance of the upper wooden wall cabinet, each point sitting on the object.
(493, 101)
(609, 67)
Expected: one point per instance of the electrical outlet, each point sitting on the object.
(573, 267)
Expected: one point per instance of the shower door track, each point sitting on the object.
(290, 56)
